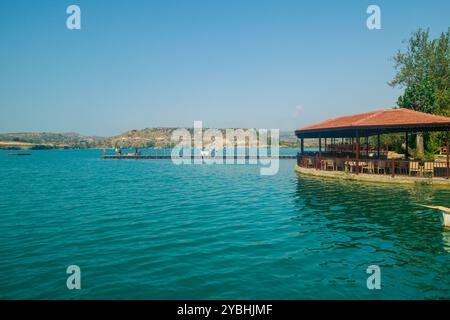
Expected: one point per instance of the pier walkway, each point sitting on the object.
(154, 157)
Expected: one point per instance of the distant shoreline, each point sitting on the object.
(47, 147)
(149, 138)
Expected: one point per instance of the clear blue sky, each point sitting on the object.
(247, 63)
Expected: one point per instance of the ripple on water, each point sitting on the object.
(150, 230)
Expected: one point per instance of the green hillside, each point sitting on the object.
(144, 138)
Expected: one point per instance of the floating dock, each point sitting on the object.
(154, 157)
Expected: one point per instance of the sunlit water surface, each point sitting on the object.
(147, 229)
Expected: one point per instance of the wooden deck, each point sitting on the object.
(376, 178)
(373, 169)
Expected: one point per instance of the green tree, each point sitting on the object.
(423, 71)
(419, 96)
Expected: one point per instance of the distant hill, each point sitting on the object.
(46, 140)
(144, 138)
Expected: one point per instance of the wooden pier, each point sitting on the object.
(19, 154)
(155, 157)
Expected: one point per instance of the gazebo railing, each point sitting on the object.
(391, 167)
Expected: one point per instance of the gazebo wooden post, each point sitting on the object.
(367, 146)
(353, 145)
(378, 145)
(320, 153)
(357, 152)
(447, 151)
(302, 146)
(325, 145)
(393, 167)
(406, 145)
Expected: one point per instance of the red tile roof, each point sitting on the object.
(379, 119)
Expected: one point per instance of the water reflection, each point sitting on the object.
(446, 239)
(382, 217)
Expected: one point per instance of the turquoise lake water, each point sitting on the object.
(147, 229)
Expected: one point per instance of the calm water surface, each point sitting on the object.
(149, 230)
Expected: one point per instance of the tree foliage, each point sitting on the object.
(423, 70)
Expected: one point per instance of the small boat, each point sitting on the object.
(445, 214)
(19, 154)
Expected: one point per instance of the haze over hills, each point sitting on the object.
(144, 138)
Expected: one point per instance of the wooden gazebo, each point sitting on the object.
(353, 127)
